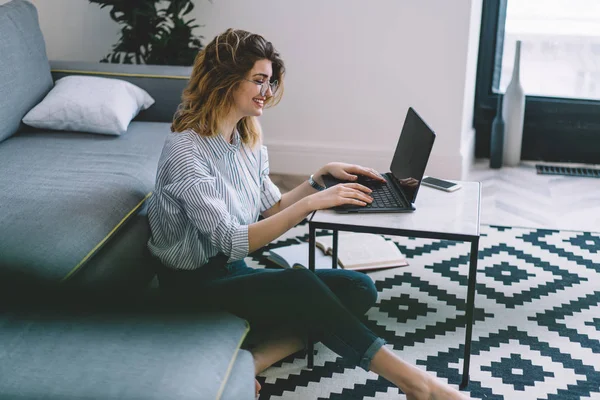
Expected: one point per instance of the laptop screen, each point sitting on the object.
(412, 153)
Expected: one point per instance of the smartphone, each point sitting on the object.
(440, 184)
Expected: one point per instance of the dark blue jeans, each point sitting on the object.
(326, 303)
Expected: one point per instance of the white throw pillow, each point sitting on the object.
(89, 104)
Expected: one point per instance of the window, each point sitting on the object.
(560, 53)
(560, 73)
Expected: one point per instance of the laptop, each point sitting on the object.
(406, 171)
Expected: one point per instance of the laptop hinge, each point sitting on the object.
(392, 178)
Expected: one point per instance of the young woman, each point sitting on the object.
(212, 185)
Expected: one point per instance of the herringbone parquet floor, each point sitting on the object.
(519, 197)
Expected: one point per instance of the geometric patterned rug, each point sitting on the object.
(537, 319)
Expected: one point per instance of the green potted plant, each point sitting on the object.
(153, 32)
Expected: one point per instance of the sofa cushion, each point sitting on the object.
(65, 194)
(126, 355)
(89, 104)
(124, 264)
(24, 69)
(240, 384)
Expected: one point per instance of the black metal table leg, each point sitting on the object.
(311, 266)
(334, 257)
(470, 310)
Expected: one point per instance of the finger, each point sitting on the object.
(352, 171)
(370, 172)
(365, 197)
(357, 194)
(348, 176)
(355, 201)
(358, 186)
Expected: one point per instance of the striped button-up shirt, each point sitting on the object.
(207, 193)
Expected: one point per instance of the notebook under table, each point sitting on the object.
(407, 169)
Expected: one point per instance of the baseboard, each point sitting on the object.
(305, 159)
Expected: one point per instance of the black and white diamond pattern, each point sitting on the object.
(537, 319)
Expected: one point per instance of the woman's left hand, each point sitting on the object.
(347, 172)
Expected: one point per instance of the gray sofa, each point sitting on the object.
(79, 315)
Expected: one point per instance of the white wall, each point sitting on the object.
(467, 149)
(353, 69)
(76, 29)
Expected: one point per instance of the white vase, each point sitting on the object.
(514, 111)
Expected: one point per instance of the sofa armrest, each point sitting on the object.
(163, 82)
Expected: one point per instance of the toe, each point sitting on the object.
(256, 387)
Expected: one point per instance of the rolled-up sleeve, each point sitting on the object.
(269, 192)
(208, 212)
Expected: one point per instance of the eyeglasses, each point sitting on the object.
(264, 86)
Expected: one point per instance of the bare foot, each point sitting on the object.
(256, 388)
(414, 382)
(437, 390)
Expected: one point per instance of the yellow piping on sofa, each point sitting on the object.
(69, 71)
(105, 239)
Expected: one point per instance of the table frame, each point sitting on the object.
(473, 239)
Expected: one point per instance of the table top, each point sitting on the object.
(448, 213)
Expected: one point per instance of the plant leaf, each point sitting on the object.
(152, 32)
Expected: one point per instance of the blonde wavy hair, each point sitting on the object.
(218, 71)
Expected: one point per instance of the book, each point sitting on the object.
(363, 251)
(296, 256)
(356, 251)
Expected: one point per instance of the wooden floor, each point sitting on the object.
(520, 197)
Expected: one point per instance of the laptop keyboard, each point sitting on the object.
(382, 195)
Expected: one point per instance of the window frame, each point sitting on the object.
(554, 129)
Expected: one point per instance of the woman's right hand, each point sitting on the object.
(340, 194)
